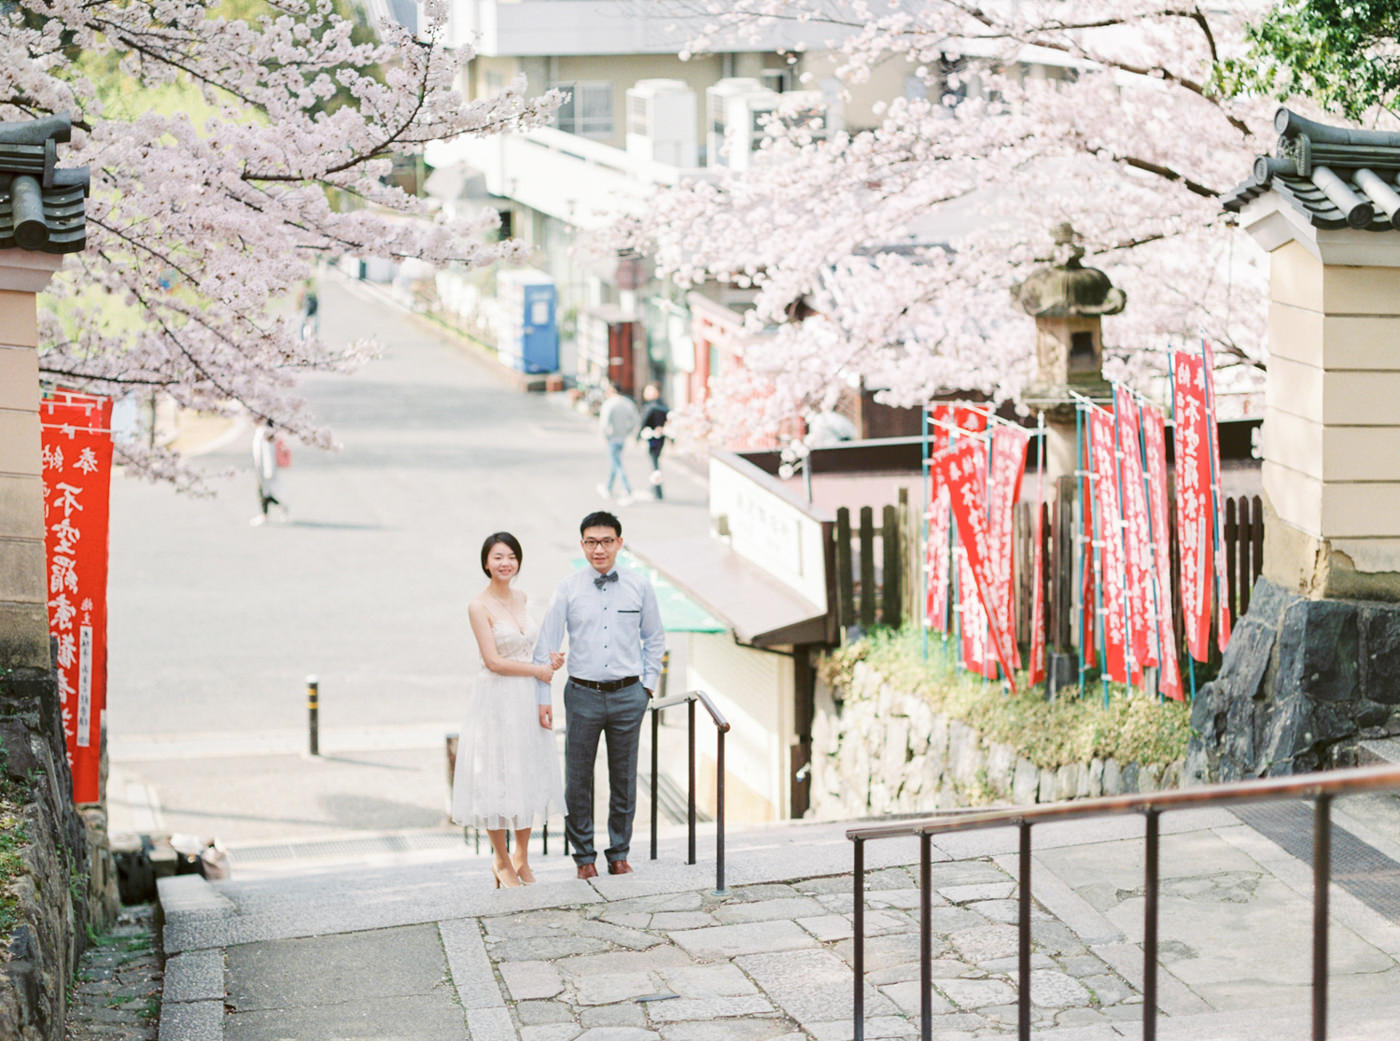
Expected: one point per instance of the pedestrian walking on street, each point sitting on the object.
(616, 641)
(507, 771)
(310, 313)
(268, 454)
(653, 431)
(618, 421)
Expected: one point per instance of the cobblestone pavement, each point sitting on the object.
(428, 952)
(773, 961)
(116, 996)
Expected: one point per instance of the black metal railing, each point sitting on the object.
(721, 728)
(1321, 788)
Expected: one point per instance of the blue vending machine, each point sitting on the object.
(530, 334)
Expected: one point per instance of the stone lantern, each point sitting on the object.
(1068, 302)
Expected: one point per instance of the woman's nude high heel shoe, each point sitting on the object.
(509, 881)
(526, 876)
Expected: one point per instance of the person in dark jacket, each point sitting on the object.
(653, 431)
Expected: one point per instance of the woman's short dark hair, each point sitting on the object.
(601, 519)
(501, 538)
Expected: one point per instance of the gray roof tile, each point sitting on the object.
(41, 206)
(1321, 171)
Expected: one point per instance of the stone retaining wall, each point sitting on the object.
(878, 750)
(1301, 684)
(54, 913)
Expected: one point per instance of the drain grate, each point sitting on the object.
(1359, 868)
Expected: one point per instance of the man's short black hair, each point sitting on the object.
(601, 519)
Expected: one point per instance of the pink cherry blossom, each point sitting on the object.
(897, 244)
(231, 206)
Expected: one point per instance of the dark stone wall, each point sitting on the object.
(53, 916)
(1301, 682)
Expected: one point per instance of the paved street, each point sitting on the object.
(215, 624)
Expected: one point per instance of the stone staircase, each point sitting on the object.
(429, 950)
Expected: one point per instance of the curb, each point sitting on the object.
(192, 995)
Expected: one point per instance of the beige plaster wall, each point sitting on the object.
(1331, 437)
(24, 626)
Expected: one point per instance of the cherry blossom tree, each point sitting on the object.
(228, 154)
(885, 255)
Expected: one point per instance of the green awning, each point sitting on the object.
(679, 613)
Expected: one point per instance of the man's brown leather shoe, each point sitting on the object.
(587, 871)
(619, 867)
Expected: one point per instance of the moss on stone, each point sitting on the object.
(1132, 728)
(13, 841)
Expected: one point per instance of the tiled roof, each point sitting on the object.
(1336, 177)
(41, 206)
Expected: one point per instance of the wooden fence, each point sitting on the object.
(879, 565)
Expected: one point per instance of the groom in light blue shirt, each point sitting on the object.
(615, 645)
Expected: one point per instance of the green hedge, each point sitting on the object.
(1133, 728)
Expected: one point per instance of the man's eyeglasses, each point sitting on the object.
(592, 544)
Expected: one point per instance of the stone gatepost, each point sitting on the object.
(1313, 669)
(41, 218)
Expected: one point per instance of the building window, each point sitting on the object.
(588, 111)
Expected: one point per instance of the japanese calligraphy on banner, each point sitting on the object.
(962, 470)
(1194, 521)
(1007, 467)
(1217, 499)
(1137, 540)
(972, 624)
(936, 561)
(958, 418)
(77, 464)
(1155, 442)
(1108, 517)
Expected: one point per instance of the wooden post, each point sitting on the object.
(1256, 540)
(893, 564)
(910, 566)
(1232, 533)
(845, 592)
(1246, 533)
(867, 567)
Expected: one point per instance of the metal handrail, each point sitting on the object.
(1320, 788)
(721, 728)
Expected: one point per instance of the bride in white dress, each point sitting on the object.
(507, 767)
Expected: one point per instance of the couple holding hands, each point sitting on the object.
(506, 771)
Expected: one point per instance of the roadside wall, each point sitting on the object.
(878, 750)
(55, 906)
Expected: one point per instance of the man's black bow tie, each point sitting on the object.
(602, 580)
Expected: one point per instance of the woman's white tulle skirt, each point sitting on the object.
(507, 772)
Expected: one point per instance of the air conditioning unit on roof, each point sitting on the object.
(661, 122)
(738, 111)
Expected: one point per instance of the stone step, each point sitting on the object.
(1383, 751)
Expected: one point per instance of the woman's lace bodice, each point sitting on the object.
(511, 642)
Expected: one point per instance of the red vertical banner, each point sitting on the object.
(1036, 668)
(1137, 542)
(1088, 632)
(1194, 520)
(1155, 442)
(972, 625)
(77, 469)
(1004, 475)
(1222, 580)
(1108, 518)
(962, 469)
(936, 561)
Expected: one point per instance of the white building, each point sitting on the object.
(638, 117)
